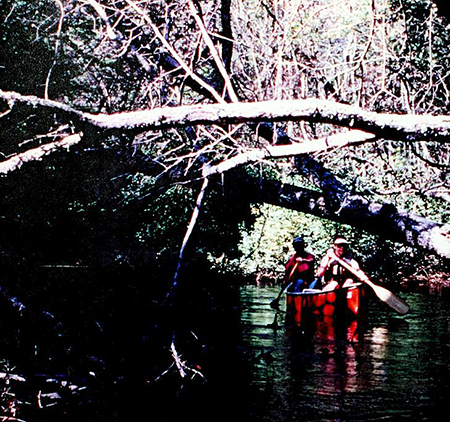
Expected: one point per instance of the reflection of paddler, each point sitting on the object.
(334, 273)
(300, 267)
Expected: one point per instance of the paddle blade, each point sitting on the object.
(391, 299)
(275, 304)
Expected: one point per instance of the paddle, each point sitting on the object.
(383, 294)
(275, 304)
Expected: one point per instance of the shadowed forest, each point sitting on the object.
(158, 155)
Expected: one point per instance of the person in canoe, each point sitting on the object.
(334, 274)
(299, 272)
(300, 267)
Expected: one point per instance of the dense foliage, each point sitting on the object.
(127, 198)
(124, 199)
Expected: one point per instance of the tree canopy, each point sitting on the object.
(113, 109)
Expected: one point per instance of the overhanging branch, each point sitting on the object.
(390, 126)
(36, 154)
(384, 220)
(279, 151)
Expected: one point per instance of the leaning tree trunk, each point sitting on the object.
(384, 220)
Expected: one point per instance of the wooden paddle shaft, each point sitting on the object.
(383, 294)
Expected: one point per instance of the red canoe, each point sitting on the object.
(345, 302)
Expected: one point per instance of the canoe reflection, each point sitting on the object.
(345, 356)
(326, 329)
(376, 367)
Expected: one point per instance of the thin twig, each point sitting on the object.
(213, 50)
(174, 53)
(57, 44)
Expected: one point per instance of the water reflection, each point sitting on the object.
(382, 367)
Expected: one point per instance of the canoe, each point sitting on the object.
(345, 302)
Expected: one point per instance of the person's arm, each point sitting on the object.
(324, 264)
(321, 270)
(290, 268)
(309, 258)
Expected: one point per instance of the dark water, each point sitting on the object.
(95, 346)
(398, 368)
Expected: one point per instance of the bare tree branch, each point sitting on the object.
(279, 151)
(192, 222)
(214, 53)
(57, 45)
(35, 154)
(174, 53)
(101, 12)
(403, 127)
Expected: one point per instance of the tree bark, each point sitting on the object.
(384, 220)
(36, 154)
(390, 126)
(340, 140)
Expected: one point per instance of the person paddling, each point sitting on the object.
(335, 275)
(299, 272)
(300, 267)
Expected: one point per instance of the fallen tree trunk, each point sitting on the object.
(334, 204)
(391, 126)
(384, 220)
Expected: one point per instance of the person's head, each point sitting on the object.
(299, 244)
(340, 247)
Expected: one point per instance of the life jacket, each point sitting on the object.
(338, 273)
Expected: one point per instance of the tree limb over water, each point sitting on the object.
(340, 140)
(384, 220)
(365, 126)
(404, 127)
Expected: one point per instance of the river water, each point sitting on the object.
(396, 368)
(90, 348)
